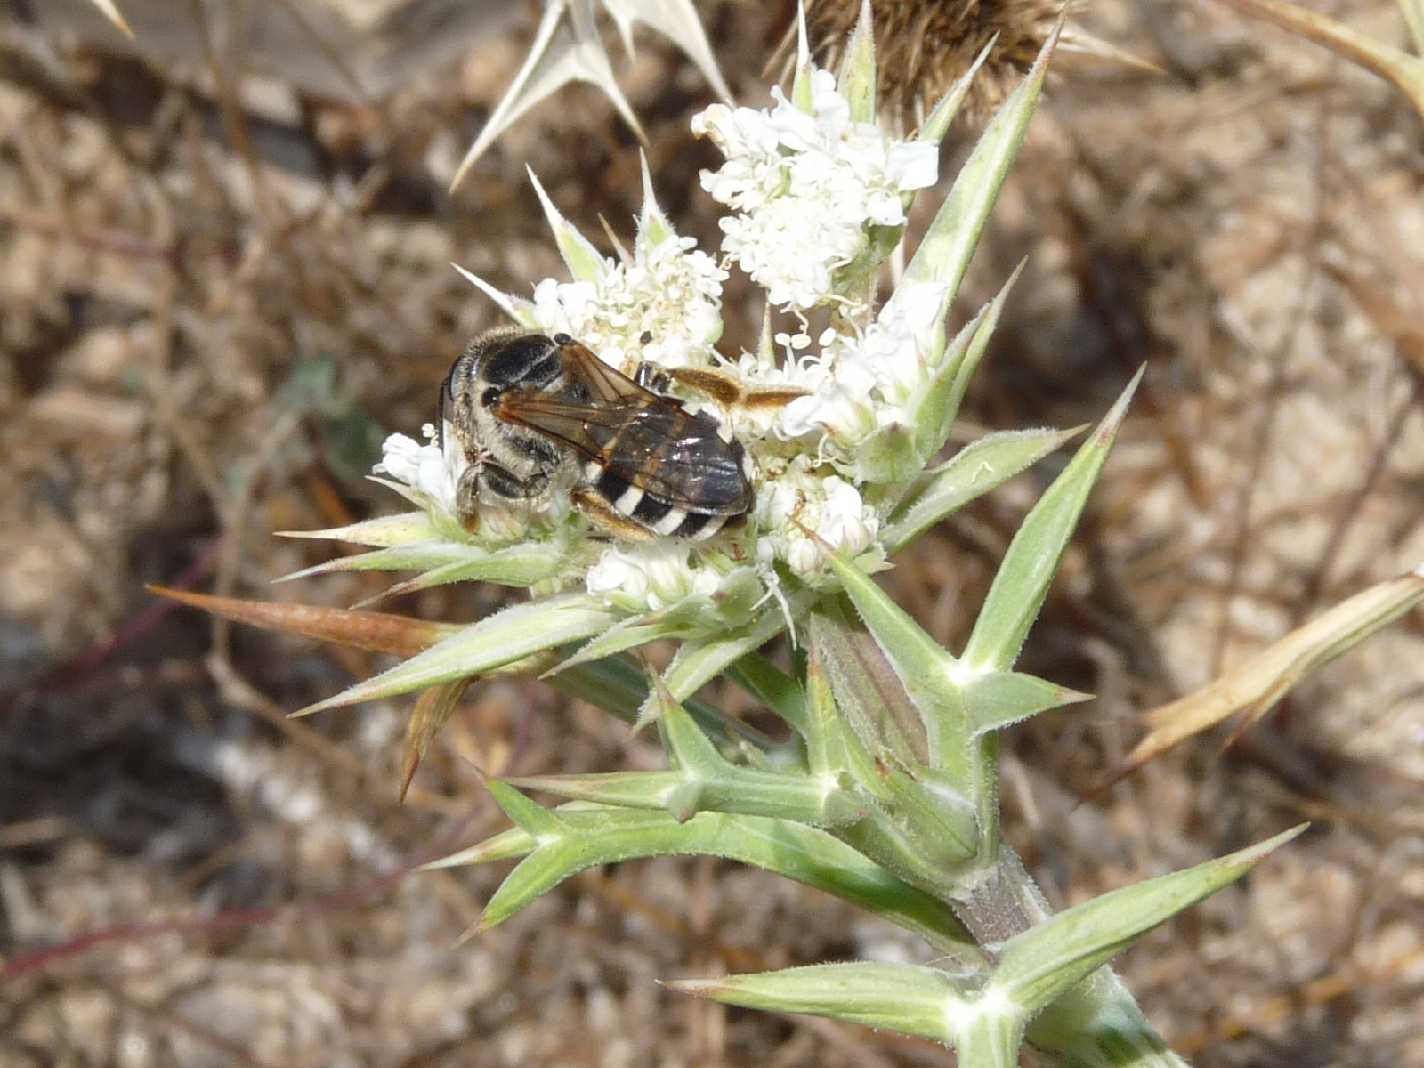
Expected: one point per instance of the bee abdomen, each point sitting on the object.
(643, 508)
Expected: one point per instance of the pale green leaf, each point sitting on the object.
(414, 557)
(582, 259)
(780, 692)
(517, 308)
(382, 532)
(801, 85)
(684, 619)
(857, 77)
(888, 455)
(948, 244)
(653, 226)
(621, 789)
(509, 635)
(445, 526)
(699, 662)
(866, 689)
(824, 729)
(691, 750)
(1002, 698)
(521, 564)
(908, 999)
(707, 781)
(533, 819)
(508, 844)
(1043, 962)
(796, 851)
(942, 115)
(927, 672)
(921, 825)
(444, 562)
(939, 405)
(1097, 1024)
(975, 470)
(730, 789)
(1028, 567)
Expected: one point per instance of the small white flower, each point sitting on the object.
(873, 381)
(425, 468)
(565, 307)
(846, 523)
(843, 405)
(618, 573)
(802, 505)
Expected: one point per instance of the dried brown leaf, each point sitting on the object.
(1254, 687)
(377, 632)
(432, 711)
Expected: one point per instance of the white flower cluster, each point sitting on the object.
(650, 577)
(662, 306)
(859, 385)
(801, 513)
(805, 187)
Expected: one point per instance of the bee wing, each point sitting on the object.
(653, 444)
(604, 384)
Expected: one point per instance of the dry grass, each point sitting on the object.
(215, 293)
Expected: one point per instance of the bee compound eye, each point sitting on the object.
(490, 397)
(563, 339)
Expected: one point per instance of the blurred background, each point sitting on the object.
(224, 276)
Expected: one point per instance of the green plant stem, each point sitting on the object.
(986, 796)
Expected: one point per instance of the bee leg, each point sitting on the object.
(483, 480)
(607, 520)
(502, 483)
(652, 377)
(467, 498)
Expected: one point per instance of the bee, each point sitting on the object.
(537, 415)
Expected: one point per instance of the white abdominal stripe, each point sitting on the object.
(657, 516)
(629, 500)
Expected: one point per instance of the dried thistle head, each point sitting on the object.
(923, 46)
